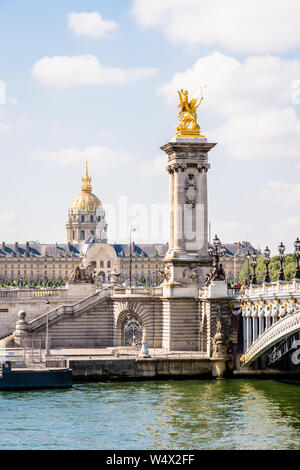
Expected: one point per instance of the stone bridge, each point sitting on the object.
(271, 313)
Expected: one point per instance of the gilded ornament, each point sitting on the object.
(188, 126)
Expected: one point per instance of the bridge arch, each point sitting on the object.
(276, 332)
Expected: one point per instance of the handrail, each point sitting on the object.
(68, 309)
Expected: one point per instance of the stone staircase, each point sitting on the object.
(59, 312)
(7, 341)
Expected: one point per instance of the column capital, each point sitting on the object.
(176, 167)
(203, 167)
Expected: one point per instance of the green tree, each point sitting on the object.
(274, 268)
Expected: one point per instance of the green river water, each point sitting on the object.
(189, 414)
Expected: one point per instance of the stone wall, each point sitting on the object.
(171, 323)
(33, 307)
(90, 329)
(181, 320)
(141, 368)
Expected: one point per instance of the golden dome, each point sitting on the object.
(86, 201)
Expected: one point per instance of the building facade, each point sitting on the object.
(87, 241)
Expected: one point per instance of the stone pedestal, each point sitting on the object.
(219, 368)
(115, 276)
(21, 332)
(187, 261)
(81, 289)
(217, 290)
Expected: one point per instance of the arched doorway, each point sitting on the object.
(132, 331)
(101, 274)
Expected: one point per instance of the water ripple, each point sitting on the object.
(236, 414)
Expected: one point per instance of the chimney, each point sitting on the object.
(16, 246)
(27, 246)
(3, 246)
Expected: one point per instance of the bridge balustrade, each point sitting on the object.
(262, 306)
(22, 294)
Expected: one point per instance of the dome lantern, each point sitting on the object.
(86, 180)
(86, 201)
(86, 215)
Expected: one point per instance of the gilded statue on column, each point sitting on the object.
(188, 126)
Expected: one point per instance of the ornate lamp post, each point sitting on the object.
(216, 252)
(132, 229)
(267, 262)
(281, 249)
(254, 264)
(297, 256)
(248, 256)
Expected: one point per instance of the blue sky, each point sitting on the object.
(66, 102)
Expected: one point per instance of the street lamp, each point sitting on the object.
(254, 264)
(47, 329)
(132, 229)
(267, 262)
(281, 249)
(297, 256)
(248, 256)
(216, 252)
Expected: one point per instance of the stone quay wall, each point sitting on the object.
(118, 369)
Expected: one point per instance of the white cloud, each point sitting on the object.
(13, 101)
(253, 99)
(233, 225)
(7, 217)
(4, 127)
(290, 222)
(259, 82)
(273, 133)
(91, 24)
(156, 166)
(249, 25)
(66, 71)
(2, 92)
(100, 156)
(287, 229)
(281, 194)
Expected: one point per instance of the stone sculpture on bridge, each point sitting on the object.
(81, 274)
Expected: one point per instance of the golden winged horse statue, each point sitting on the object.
(188, 126)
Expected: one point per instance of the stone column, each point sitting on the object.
(244, 334)
(261, 325)
(171, 202)
(188, 187)
(255, 332)
(249, 335)
(187, 260)
(202, 201)
(178, 230)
